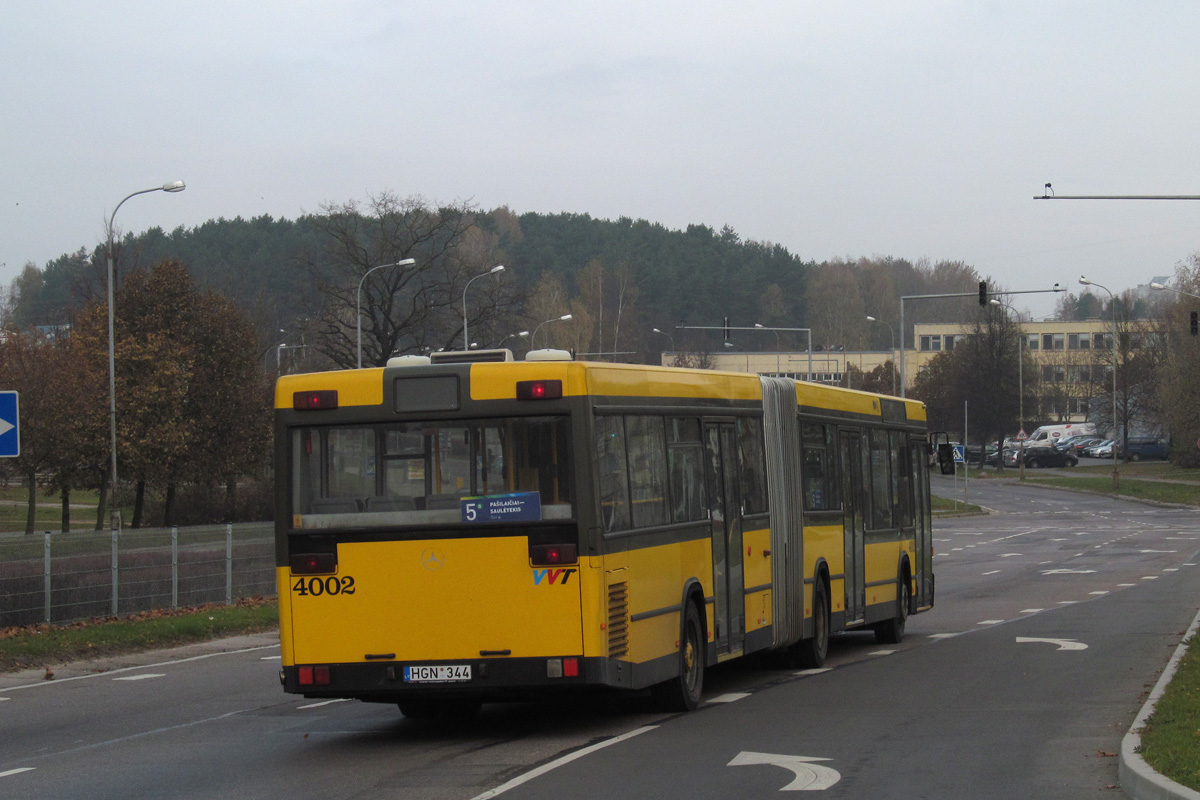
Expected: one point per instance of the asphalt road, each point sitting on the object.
(1054, 616)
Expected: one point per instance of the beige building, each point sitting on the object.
(1067, 366)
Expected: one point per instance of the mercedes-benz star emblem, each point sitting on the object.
(432, 560)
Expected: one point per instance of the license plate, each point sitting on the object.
(455, 673)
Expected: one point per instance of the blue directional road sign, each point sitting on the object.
(960, 454)
(10, 431)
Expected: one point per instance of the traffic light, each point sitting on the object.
(1194, 323)
(983, 298)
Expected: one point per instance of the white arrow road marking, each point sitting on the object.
(16, 771)
(1068, 571)
(5, 426)
(1063, 644)
(142, 677)
(810, 777)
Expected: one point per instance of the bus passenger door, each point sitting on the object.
(923, 569)
(720, 442)
(853, 487)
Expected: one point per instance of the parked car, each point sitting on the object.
(1140, 447)
(1102, 450)
(1084, 442)
(1041, 457)
(1066, 441)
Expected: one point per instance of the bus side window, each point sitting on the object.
(647, 470)
(753, 466)
(817, 475)
(613, 473)
(901, 480)
(881, 481)
(685, 459)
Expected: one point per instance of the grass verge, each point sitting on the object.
(1181, 493)
(943, 507)
(37, 646)
(1171, 738)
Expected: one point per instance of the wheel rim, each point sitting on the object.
(691, 663)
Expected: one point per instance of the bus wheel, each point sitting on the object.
(682, 693)
(892, 631)
(430, 708)
(810, 653)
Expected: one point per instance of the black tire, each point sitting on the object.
(682, 693)
(892, 631)
(442, 709)
(811, 653)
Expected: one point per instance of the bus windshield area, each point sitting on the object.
(431, 473)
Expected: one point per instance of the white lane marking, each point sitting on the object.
(881, 653)
(1031, 610)
(731, 697)
(271, 658)
(5, 699)
(59, 681)
(1098, 593)
(1068, 571)
(558, 762)
(1158, 551)
(16, 771)
(1011, 555)
(325, 703)
(142, 677)
(943, 635)
(1171, 569)
(1126, 584)
(814, 671)
(1149, 577)
(990, 622)
(993, 572)
(1067, 602)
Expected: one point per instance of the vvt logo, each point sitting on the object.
(552, 576)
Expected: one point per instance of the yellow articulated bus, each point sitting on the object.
(471, 528)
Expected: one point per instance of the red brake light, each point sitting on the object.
(314, 564)
(548, 555)
(570, 667)
(539, 390)
(315, 401)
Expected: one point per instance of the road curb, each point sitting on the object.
(1137, 777)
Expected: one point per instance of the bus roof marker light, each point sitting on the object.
(319, 400)
(539, 390)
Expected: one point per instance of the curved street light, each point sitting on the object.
(518, 334)
(1162, 287)
(406, 262)
(493, 271)
(533, 338)
(1116, 426)
(115, 514)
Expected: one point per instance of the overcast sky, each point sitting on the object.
(837, 129)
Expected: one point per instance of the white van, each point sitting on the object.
(1047, 435)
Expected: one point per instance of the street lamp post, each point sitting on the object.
(778, 346)
(518, 334)
(893, 333)
(115, 514)
(1161, 287)
(1020, 391)
(407, 262)
(493, 271)
(1112, 300)
(533, 338)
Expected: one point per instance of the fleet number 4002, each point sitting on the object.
(317, 587)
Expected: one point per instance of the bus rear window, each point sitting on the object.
(432, 472)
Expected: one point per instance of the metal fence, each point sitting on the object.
(63, 577)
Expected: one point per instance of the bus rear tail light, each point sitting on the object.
(314, 676)
(539, 390)
(550, 555)
(314, 564)
(562, 668)
(321, 400)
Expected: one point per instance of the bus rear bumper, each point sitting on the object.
(390, 681)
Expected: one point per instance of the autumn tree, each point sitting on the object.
(190, 397)
(39, 369)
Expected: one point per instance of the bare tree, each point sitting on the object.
(405, 310)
